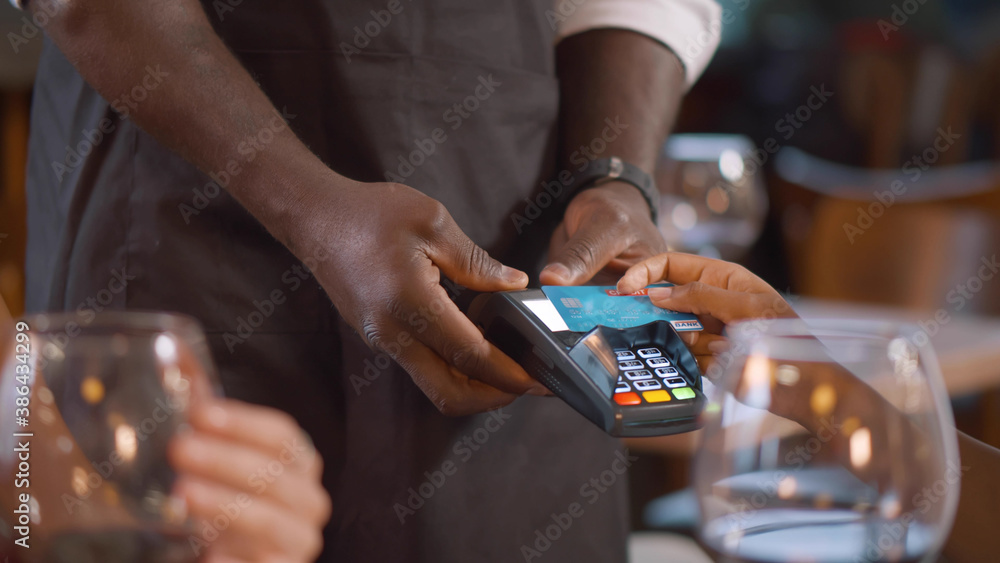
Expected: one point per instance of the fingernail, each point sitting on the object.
(176, 507)
(660, 293)
(186, 488)
(718, 346)
(539, 391)
(192, 449)
(216, 417)
(559, 270)
(514, 275)
(179, 489)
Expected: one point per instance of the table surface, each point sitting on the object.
(967, 347)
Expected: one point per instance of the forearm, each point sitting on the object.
(205, 105)
(619, 92)
(621, 77)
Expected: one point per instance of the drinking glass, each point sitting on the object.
(713, 200)
(827, 441)
(89, 405)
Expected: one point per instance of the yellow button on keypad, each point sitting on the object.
(659, 396)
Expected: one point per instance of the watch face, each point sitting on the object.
(615, 167)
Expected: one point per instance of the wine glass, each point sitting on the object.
(713, 200)
(89, 405)
(827, 441)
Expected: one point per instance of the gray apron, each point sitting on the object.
(116, 221)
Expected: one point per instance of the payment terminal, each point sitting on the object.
(616, 359)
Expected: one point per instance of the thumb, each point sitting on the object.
(467, 264)
(582, 257)
(704, 299)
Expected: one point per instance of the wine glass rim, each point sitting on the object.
(126, 321)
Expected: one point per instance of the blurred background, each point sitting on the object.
(847, 152)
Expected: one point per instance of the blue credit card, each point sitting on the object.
(587, 306)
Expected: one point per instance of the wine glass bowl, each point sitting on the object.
(827, 442)
(105, 396)
(713, 200)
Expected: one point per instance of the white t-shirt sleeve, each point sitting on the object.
(690, 28)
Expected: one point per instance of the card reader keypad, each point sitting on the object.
(638, 374)
(624, 355)
(647, 385)
(646, 375)
(649, 352)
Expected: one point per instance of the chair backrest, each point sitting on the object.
(922, 256)
(934, 247)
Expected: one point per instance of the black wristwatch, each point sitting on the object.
(603, 170)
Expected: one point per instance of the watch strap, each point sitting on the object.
(613, 169)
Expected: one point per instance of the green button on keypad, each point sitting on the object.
(683, 393)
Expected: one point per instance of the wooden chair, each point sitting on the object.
(13, 156)
(913, 253)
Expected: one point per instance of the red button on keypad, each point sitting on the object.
(628, 399)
